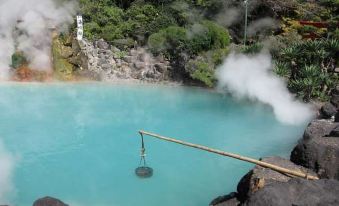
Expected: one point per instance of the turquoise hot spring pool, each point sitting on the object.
(79, 142)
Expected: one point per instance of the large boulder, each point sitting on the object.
(335, 97)
(318, 128)
(226, 200)
(49, 201)
(328, 110)
(102, 44)
(335, 100)
(297, 192)
(318, 150)
(260, 177)
(335, 132)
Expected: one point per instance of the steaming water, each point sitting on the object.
(79, 142)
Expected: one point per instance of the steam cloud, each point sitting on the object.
(25, 25)
(7, 163)
(261, 25)
(228, 16)
(252, 77)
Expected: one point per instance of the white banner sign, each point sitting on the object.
(80, 31)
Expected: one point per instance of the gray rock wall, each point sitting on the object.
(111, 63)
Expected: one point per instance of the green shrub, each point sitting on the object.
(282, 69)
(18, 59)
(195, 39)
(309, 66)
(202, 71)
(220, 37)
(111, 32)
(109, 15)
(170, 41)
(252, 48)
(157, 42)
(218, 55)
(161, 22)
(92, 30)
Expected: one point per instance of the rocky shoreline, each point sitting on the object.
(317, 153)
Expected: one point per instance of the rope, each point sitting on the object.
(143, 150)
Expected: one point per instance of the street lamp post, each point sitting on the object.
(246, 14)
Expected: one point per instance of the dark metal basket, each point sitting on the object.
(144, 172)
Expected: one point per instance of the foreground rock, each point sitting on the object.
(260, 177)
(328, 110)
(335, 97)
(257, 179)
(226, 200)
(319, 149)
(49, 201)
(297, 192)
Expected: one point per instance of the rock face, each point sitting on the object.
(111, 63)
(226, 200)
(49, 201)
(335, 97)
(328, 110)
(335, 132)
(260, 177)
(318, 149)
(297, 192)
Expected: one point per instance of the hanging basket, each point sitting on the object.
(144, 172)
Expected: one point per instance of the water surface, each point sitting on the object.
(79, 142)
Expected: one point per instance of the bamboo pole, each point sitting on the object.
(236, 156)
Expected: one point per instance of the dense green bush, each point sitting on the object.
(309, 67)
(192, 41)
(252, 48)
(169, 41)
(219, 36)
(202, 67)
(18, 59)
(202, 71)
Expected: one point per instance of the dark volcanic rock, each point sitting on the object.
(337, 117)
(48, 201)
(297, 192)
(335, 100)
(318, 128)
(335, 132)
(260, 177)
(101, 44)
(318, 150)
(226, 200)
(328, 110)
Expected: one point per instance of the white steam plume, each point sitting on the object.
(262, 25)
(229, 16)
(25, 25)
(7, 163)
(252, 77)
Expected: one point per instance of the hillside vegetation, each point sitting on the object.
(196, 35)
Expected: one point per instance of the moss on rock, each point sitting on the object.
(62, 67)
